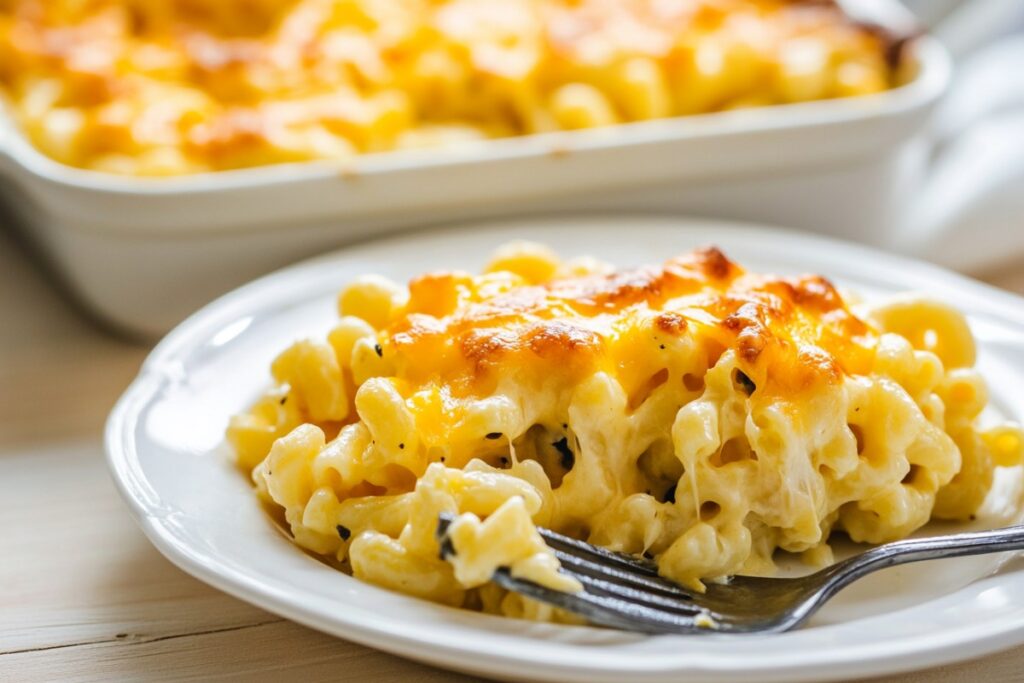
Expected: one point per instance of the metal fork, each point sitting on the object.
(626, 592)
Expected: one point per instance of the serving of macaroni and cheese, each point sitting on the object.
(164, 87)
(689, 411)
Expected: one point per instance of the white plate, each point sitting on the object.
(166, 452)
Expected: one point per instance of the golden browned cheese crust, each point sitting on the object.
(789, 333)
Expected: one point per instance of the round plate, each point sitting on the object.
(166, 451)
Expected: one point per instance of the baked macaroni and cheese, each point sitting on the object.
(691, 412)
(161, 87)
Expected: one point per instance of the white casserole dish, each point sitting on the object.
(142, 253)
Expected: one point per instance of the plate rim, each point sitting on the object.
(159, 367)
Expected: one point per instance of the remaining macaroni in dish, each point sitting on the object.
(158, 87)
(691, 411)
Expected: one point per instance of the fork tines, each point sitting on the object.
(619, 590)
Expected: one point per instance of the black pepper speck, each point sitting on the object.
(746, 384)
(568, 458)
(447, 549)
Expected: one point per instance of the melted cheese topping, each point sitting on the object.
(693, 412)
(160, 87)
(468, 332)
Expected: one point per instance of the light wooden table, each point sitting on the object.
(83, 596)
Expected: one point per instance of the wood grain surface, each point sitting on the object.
(83, 596)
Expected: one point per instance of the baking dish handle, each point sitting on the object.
(969, 213)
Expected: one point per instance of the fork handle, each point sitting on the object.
(920, 549)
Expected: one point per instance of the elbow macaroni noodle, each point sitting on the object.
(694, 412)
(163, 87)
